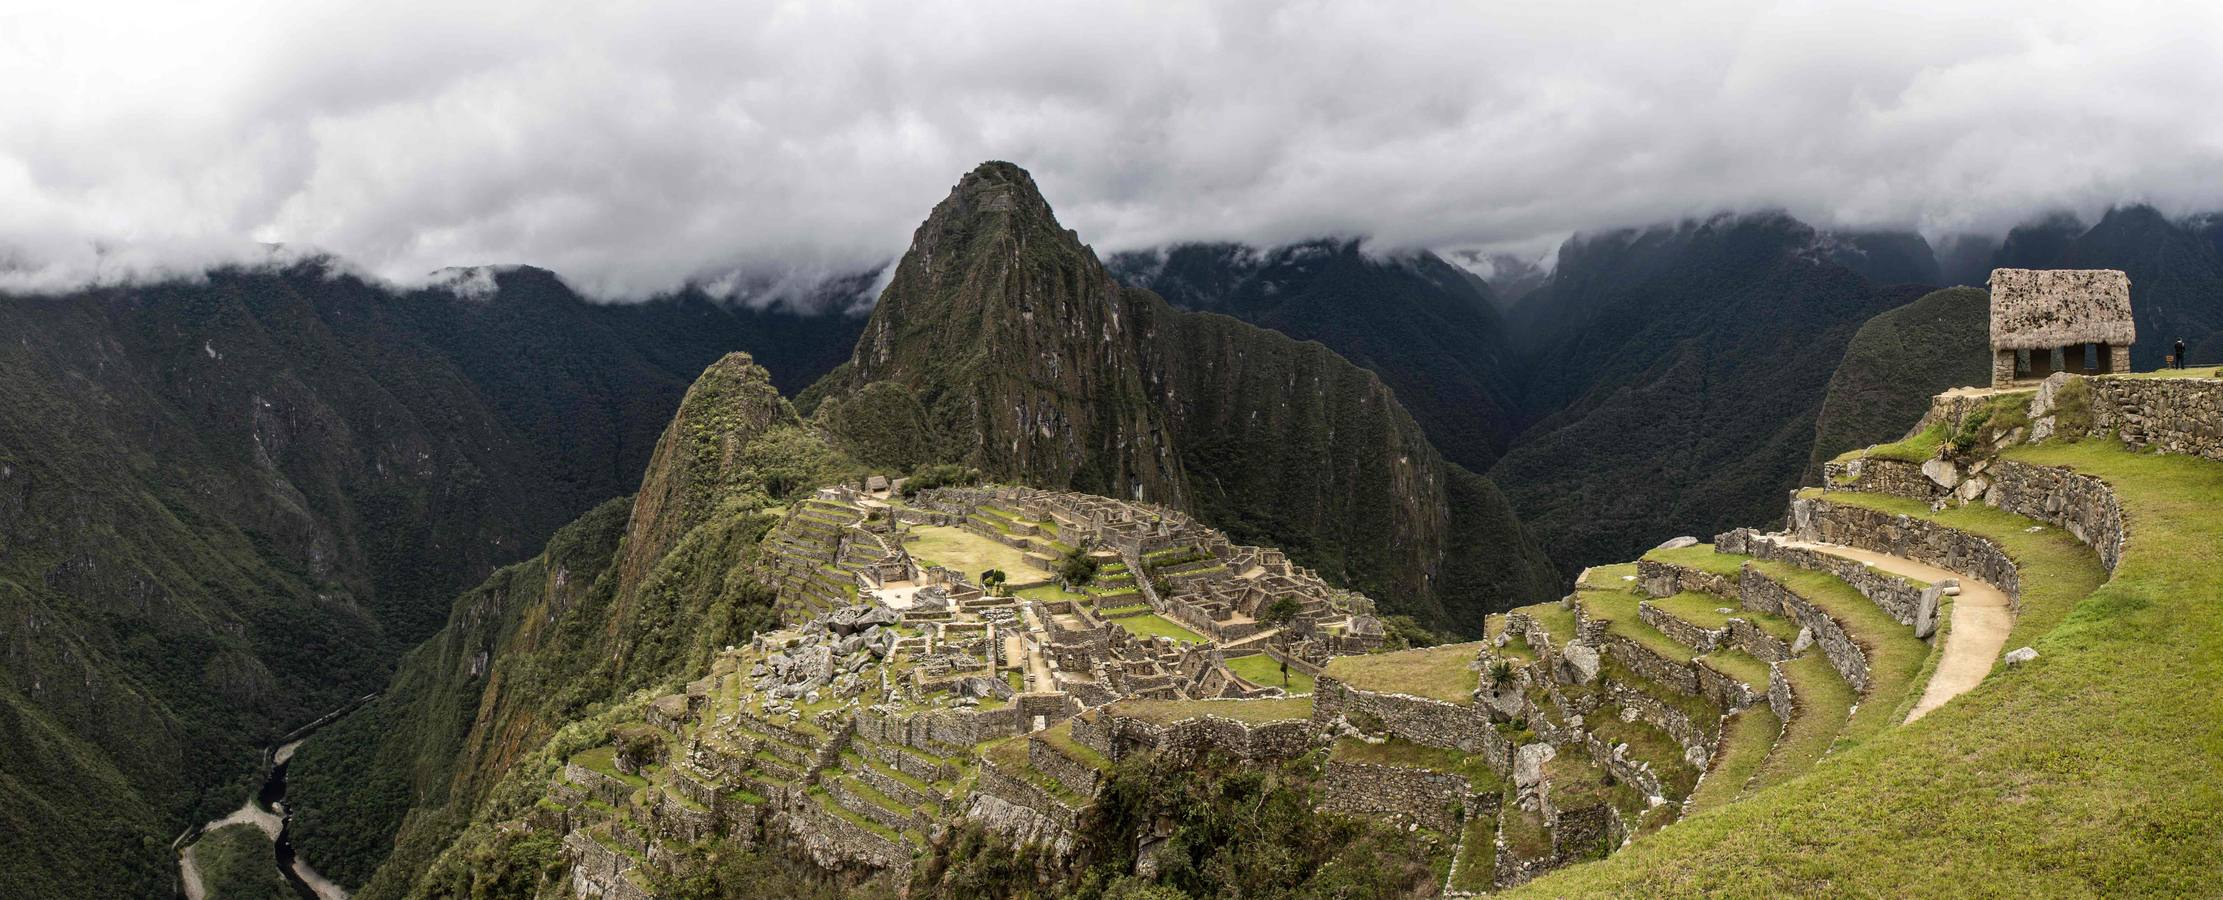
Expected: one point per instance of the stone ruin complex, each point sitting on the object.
(2036, 313)
(904, 698)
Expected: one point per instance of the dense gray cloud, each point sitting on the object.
(635, 146)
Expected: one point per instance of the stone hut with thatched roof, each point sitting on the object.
(2081, 316)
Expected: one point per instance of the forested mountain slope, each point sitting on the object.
(622, 598)
(1678, 372)
(1429, 329)
(227, 505)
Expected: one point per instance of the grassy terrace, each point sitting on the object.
(1442, 673)
(1264, 671)
(1060, 736)
(1745, 740)
(1915, 448)
(1651, 745)
(1477, 865)
(1010, 755)
(1406, 754)
(1701, 557)
(2057, 569)
(1153, 625)
(1250, 712)
(1616, 577)
(2187, 372)
(1704, 610)
(1895, 655)
(1557, 620)
(1619, 608)
(603, 759)
(1739, 665)
(1049, 593)
(1699, 709)
(1824, 705)
(2097, 769)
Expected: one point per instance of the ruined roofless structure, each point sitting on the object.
(2037, 311)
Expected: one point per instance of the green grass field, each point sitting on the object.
(1262, 670)
(969, 553)
(1154, 625)
(2097, 769)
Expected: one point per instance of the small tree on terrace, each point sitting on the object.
(1078, 568)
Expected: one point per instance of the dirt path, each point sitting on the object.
(1981, 620)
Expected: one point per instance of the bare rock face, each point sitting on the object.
(1528, 770)
(1925, 612)
(1678, 543)
(1582, 662)
(1943, 473)
(2021, 655)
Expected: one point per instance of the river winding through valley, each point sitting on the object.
(266, 810)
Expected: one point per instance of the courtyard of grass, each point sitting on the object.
(2096, 769)
(1265, 671)
(1149, 625)
(1249, 712)
(969, 553)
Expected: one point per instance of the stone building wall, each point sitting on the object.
(2175, 415)
(1425, 721)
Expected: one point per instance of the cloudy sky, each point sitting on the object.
(634, 146)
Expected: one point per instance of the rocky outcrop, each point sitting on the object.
(1031, 363)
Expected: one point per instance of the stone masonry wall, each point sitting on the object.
(1661, 579)
(1424, 721)
(1895, 594)
(2083, 505)
(2176, 415)
(1433, 799)
(1845, 655)
(1877, 475)
(1817, 519)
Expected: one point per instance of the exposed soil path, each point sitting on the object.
(1982, 618)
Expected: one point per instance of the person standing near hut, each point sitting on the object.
(2180, 353)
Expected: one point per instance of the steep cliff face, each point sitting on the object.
(1031, 363)
(1429, 329)
(1018, 344)
(625, 597)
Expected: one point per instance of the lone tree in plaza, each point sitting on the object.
(993, 579)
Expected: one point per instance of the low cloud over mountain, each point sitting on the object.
(637, 147)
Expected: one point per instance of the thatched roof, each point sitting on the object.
(2035, 309)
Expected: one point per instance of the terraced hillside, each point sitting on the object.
(1981, 655)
